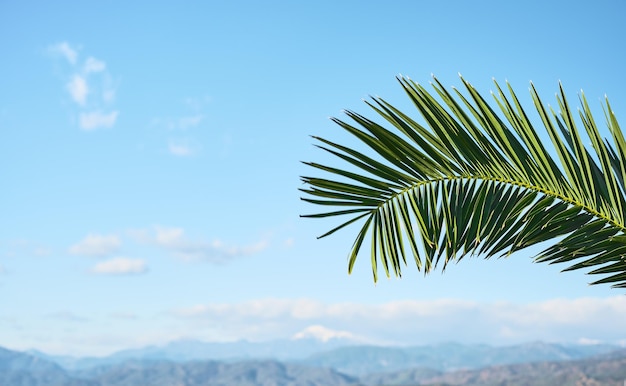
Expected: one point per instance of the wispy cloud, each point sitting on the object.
(191, 118)
(189, 121)
(179, 149)
(23, 247)
(108, 94)
(41, 251)
(97, 119)
(587, 341)
(120, 266)
(419, 322)
(90, 87)
(124, 315)
(215, 251)
(77, 87)
(67, 316)
(93, 65)
(289, 242)
(96, 245)
(175, 242)
(65, 50)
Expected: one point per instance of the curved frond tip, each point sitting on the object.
(473, 177)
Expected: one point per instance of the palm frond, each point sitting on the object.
(474, 178)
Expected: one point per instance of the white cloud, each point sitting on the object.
(93, 65)
(418, 322)
(168, 236)
(78, 89)
(96, 245)
(215, 251)
(96, 119)
(120, 266)
(180, 150)
(174, 241)
(587, 341)
(66, 50)
(91, 87)
(140, 235)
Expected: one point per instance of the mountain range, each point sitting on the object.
(188, 350)
(446, 364)
(342, 354)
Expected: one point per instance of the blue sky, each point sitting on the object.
(150, 161)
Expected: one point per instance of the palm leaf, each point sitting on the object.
(475, 178)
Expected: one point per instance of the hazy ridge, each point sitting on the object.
(446, 364)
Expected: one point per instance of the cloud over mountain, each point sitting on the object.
(416, 322)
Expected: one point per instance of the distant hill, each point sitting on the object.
(404, 377)
(362, 360)
(587, 372)
(189, 350)
(606, 368)
(20, 369)
(205, 373)
(340, 355)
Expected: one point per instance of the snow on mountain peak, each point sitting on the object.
(322, 334)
